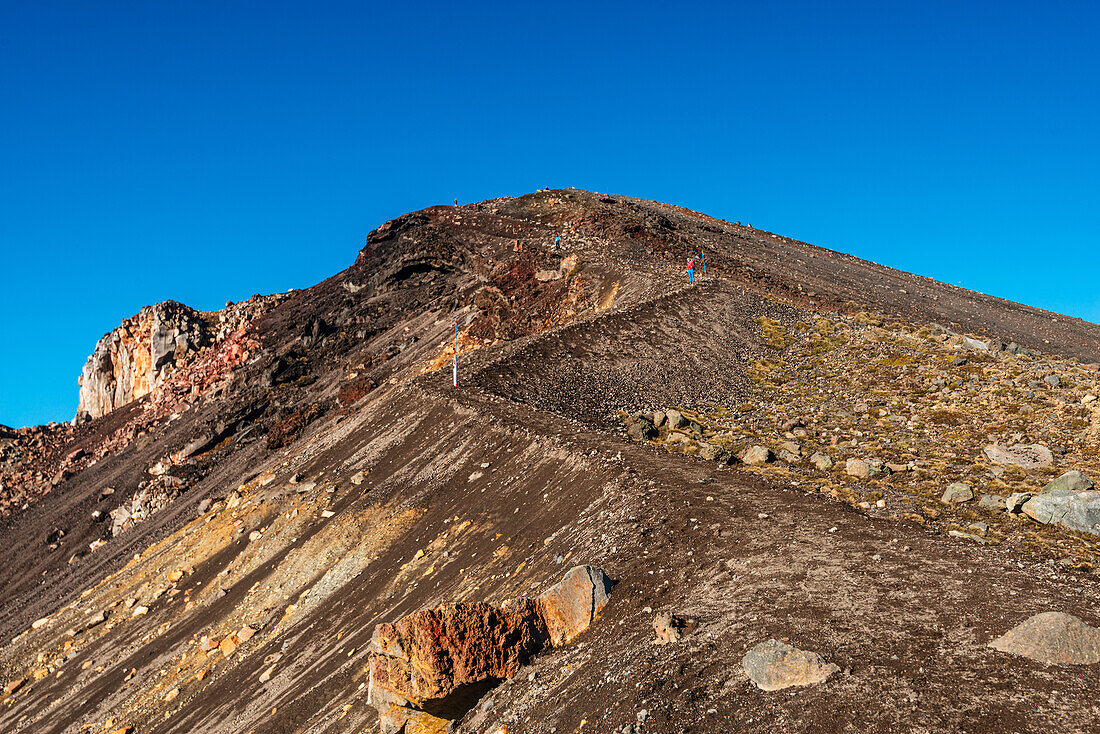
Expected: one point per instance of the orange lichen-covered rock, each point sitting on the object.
(440, 660)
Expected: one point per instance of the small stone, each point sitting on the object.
(668, 627)
(757, 455)
(858, 468)
(956, 493)
(1053, 380)
(228, 646)
(821, 461)
(992, 502)
(980, 528)
(775, 665)
(1033, 456)
(139, 610)
(966, 536)
(357, 478)
(255, 535)
(244, 634)
(675, 419)
(1015, 501)
(172, 694)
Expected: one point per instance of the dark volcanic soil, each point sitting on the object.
(508, 480)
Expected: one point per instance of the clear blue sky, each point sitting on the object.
(205, 151)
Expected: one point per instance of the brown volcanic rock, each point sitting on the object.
(1053, 638)
(775, 665)
(569, 606)
(441, 660)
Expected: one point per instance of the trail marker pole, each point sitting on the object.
(703, 262)
(456, 355)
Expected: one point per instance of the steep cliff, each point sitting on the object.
(140, 354)
(134, 358)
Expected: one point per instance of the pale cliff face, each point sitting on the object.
(135, 358)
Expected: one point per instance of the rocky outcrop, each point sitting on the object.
(137, 356)
(148, 349)
(441, 661)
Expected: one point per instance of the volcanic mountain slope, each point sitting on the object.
(217, 554)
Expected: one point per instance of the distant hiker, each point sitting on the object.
(456, 202)
(557, 240)
(691, 270)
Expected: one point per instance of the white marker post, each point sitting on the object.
(456, 355)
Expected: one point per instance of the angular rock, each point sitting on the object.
(775, 665)
(713, 452)
(669, 627)
(957, 492)
(821, 461)
(1053, 638)
(1016, 500)
(1078, 511)
(675, 419)
(442, 660)
(642, 430)
(757, 455)
(1072, 480)
(401, 720)
(569, 606)
(789, 457)
(1027, 456)
(860, 468)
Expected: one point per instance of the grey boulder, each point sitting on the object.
(1072, 480)
(1078, 511)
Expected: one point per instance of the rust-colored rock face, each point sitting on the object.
(441, 661)
(438, 658)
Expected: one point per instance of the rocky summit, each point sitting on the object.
(511, 472)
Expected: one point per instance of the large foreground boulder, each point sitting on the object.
(441, 661)
(1053, 638)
